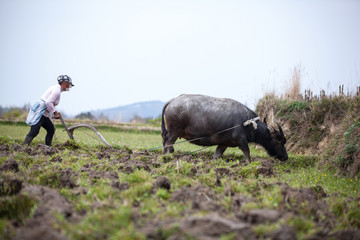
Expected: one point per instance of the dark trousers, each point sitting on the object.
(46, 123)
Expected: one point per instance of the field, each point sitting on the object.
(82, 190)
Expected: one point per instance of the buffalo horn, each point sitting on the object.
(280, 129)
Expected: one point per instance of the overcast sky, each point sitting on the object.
(121, 52)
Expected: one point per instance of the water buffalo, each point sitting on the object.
(208, 121)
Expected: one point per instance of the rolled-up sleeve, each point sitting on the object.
(52, 100)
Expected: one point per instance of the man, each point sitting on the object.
(44, 108)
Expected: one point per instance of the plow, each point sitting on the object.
(70, 130)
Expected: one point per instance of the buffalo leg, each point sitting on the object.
(219, 152)
(246, 151)
(168, 142)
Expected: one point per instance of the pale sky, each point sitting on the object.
(122, 52)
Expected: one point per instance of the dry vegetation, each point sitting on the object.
(328, 125)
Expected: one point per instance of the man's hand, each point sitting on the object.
(56, 115)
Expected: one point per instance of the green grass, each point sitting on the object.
(110, 213)
(116, 137)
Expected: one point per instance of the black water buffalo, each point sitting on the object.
(208, 121)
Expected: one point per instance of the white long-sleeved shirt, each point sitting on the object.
(52, 99)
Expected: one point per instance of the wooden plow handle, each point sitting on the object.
(66, 128)
(70, 130)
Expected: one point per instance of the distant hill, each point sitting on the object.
(150, 109)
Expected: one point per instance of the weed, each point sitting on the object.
(119, 226)
(166, 158)
(351, 142)
(25, 160)
(138, 176)
(251, 170)
(301, 225)
(338, 207)
(167, 232)
(230, 236)
(265, 229)
(49, 178)
(163, 194)
(17, 207)
(298, 106)
(354, 217)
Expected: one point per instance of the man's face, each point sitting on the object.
(65, 86)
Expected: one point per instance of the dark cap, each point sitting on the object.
(65, 78)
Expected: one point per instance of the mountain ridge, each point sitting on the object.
(126, 113)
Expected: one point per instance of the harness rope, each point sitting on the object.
(248, 122)
(97, 139)
(70, 135)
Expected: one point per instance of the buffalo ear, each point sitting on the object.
(265, 120)
(272, 130)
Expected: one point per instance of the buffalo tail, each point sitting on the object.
(164, 132)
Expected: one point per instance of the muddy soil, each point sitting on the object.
(218, 221)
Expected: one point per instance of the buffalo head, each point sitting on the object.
(276, 146)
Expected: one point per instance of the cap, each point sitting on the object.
(65, 78)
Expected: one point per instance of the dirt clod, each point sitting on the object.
(17, 147)
(9, 185)
(257, 216)
(68, 145)
(101, 155)
(40, 226)
(162, 182)
(121, 186)
(9, 165)
(56, 159)
(102, 174)
(130, 166)
(213, 226)
(4, 148)
(44, 149)
(66, 180)
(346, 235)
(199, 193)
(284, 233)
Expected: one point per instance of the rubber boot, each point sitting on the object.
(27, 140)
